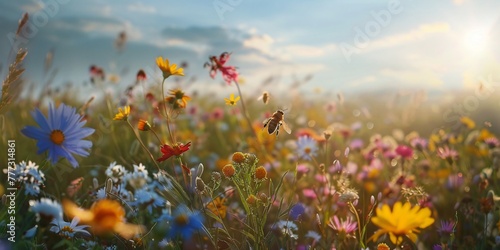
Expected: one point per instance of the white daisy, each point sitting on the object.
(69, 230)
(115, 172)
(46, 209)
(307, 147)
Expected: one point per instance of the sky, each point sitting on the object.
(348, 46)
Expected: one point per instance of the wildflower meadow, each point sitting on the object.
(164, 164)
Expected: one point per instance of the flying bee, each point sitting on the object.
(264, 97)
(274, 123)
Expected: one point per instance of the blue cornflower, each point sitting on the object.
(296, 211)
(61, 133)
(446, 227)
(307, 147)
(184, 223)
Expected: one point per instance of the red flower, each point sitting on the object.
(141, 76)
(229, 73)
(169, 151)
(404, 151)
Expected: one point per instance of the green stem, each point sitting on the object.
(247, 118)
(143, 146)
(245, 112)
(156, 135)
(165, 111)
(353, 210)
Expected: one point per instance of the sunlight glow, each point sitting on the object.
(476, 41)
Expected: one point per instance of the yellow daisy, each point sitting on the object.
(180, 96)
(403, 220)
(122, 114)
(232, 101)
(218, 207)
(168, 69)
(469, 123)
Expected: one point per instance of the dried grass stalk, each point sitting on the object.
(15, 72)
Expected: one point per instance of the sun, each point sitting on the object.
(476, 41)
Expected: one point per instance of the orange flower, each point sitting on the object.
(228, 170)
(260, 173)
(218, 207)
(105, 216)
(238, 157)
(143, 125)
(251, 199)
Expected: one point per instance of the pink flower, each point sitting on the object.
(348, 226)
(309, 193)
(229, 73)
(404, 151)
(447, 154)
(320, 178)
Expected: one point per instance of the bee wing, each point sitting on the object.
(286, 127)
(266, 121)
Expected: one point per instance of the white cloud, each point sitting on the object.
(295, 51)
(261, 43)
(140, 7)
(422, 32)
(267, 45)
(254, 58)
(106, 27)
(33, 7)
(459, 2)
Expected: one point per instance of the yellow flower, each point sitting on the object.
(434, 140)
(180, 97)
(469, 123)
(122, 114)
(232, 101)
(403, 220)
(168, 69)
(218, 207)
(113, 78)
(484, 134)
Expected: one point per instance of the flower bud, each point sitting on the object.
(228, 170)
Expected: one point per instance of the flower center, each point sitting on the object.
(179, 94)
(307, 150)
(67, 229)
(182, 220)
(57, 137)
